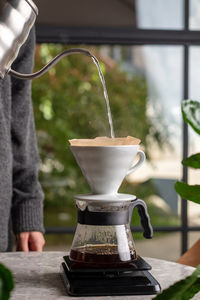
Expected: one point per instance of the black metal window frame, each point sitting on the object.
(129, 36)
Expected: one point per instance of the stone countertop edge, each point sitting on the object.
(37, 276)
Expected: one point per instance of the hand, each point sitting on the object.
(30, 241)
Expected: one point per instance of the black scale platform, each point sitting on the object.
(131, 280)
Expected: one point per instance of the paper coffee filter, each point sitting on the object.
(105, 141)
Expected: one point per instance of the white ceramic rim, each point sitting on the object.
(109, 197)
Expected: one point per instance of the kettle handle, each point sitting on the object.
(144, 217)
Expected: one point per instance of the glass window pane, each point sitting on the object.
(193, 237)
(194, 72)
(165, 246)
(194, 17)
(159, 14)
(87, 13)
(162, 68)
(142, 14)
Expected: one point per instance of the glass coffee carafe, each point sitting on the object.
(103, 237)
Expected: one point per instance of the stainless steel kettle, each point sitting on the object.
(16, 20)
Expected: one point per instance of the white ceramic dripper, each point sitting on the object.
(105, 167)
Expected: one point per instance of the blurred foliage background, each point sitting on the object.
(69, 103)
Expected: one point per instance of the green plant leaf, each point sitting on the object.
(191, 113)
(184, 289)
(6, 282)
(192, 161)
(188, 192)
(195, 288)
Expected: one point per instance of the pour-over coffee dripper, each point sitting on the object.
(105, 167)
(103, 258)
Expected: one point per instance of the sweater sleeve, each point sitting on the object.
(27, 201)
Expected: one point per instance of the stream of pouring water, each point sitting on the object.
(96, 62)
(55, 60)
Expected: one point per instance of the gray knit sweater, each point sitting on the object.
(20, 192)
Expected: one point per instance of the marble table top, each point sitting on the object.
(37, 276)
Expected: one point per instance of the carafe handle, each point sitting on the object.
(144, 217)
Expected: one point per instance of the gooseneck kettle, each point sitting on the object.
(17, 17)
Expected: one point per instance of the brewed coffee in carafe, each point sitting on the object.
(103, 245)
(103, 237)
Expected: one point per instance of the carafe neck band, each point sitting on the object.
(103, 218)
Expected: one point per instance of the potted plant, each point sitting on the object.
(188, 287)
(191, 115)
